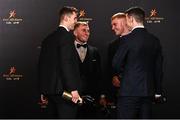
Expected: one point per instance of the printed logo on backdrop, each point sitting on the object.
(12, 19)
(12, 74)
(154, 17)
(83, 16)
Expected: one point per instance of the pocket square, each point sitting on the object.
(94, 60)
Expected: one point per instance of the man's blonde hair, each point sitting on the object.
(118, 15)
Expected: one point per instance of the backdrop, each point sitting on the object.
(25, 23)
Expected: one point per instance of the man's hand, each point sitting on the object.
(75, 96)
(44, 100)
(157, 96)
(160, 99)
(103, 100)
(116, 81)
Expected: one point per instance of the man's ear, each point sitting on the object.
(75, 33)
(131, 19)
(65, 18)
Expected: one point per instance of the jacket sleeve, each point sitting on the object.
(119, 58)
(158, 69)
(68, 64)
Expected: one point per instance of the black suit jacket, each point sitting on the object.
(90, 72)
(58, 64)
(112, 48)
(139, 61)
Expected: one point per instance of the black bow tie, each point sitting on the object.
(79, 45)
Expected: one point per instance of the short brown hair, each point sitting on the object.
(118, 15)
(67, 10)
(137, 12)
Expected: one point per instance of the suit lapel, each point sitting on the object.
(87, 54)
(77, 55)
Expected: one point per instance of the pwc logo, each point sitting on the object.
(12, 74)
(153, 13)
(154, 17)
(12, 19)
(83, 16)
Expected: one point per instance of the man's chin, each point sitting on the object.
(117, 34)
(85, 39)
(71, 28)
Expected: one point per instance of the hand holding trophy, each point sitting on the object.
(81, 100)
(66, 95)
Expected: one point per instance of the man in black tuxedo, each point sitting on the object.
(139, 62)
(58, 66)
(90, 67)
(119, 26)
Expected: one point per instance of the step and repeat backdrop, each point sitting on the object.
(25, 23)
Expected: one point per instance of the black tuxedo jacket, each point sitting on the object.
(112, 49)
(90, 72)
(139, 61)
(58, 64)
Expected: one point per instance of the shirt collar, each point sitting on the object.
(76, 42)
(124, 35)
(139, 26)
(64, 27)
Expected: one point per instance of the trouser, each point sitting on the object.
(60, 108)
(134, 107)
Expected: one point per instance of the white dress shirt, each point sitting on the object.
(81, 50)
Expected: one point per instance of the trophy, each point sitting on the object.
(66, 95)
(82, 100)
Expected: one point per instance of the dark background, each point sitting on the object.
(19, 47)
